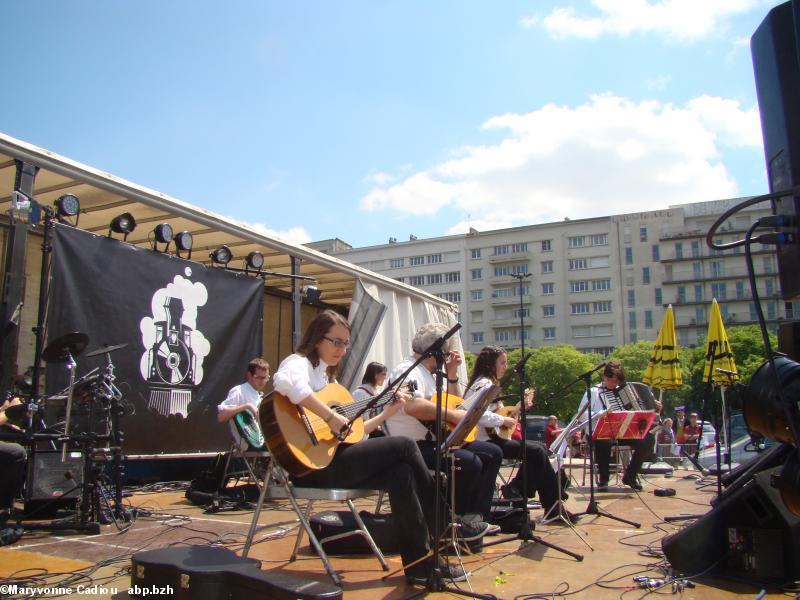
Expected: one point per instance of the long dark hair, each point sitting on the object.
(486, 364)
(316, 332)
(371, 373)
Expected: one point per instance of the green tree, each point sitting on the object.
(635, 358)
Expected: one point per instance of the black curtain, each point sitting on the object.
(190, 331)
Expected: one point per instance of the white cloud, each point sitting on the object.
(676, 19)
(295, 235)
(609, 155)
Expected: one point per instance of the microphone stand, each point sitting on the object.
(435, 582)
(593, 508)
(526, 532)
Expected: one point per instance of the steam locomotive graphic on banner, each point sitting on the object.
(174, 348)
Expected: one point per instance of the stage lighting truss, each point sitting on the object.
(162, 234)
(68, 206)
(221, 256)
(124, 224)
(183, 243)
(254, 262)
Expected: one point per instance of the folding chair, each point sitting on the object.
(284, 489)
(241, 450)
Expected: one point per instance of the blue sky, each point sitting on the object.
(369, 120)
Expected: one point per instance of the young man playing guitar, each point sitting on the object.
(246, 397)
(390, 463)
(478, 462)
(490, 366)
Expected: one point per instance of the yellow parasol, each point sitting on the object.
(664, 368)
(717, 345)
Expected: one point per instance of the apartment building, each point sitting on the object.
(594, 283)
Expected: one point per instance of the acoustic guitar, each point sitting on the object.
(505, 433)
(246, 429)
(302, 441)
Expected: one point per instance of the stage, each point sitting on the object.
(100, 564)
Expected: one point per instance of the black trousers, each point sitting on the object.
(540, 476)
(478, 464)
(12, 472)
(642, 450)
(393, 464)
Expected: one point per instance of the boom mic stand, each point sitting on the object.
(526, 532)
(593, 508)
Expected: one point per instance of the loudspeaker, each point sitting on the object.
(51, 484)
(777, 75)
(750, 533)
(335, 522)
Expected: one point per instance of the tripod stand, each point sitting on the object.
(593, 508)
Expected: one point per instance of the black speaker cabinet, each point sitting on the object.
(777, 75)
(51, 484)
(749, 534)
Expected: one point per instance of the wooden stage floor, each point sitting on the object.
(614, 553)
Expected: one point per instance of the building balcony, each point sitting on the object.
(745, 298)
(689, 257)
(511, 322)
(510, 300)
(510, 257)
(507, 280)
(731, 321)
(689, 278)
(698, 233)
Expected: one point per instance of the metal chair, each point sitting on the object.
(284, 489)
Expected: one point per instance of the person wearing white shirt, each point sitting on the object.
(490, 366)
(245, 396)
(392, 464)
(478, 462)
(371, 384)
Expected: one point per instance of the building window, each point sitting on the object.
(477, 316)
(631, 298)
(601, 285)
(434, 278)
(416, 260)
(519, 247)
(477, 337)
(628, 256)
(632, 321)
(396, 263)
(434, 259)
(452, 277)
(681, 293)
(602, 307)
(719, 291)
(642, 234)
(501, 249)
(476, 295)
(659, 298)
(740, 290)
(656, 253)
(549, 310)
(547, 246)
(697, 270)
(580, 308)
(417, 280)
(578, 286)
(695, 249)
(450, 296)
(771, 310)
(548, 289)
(767, 262)
(476, 274)
(753, 315)
(577, 264)
(547, 266)
(582, 331)
(769, 287)
(648, 319)
(549, 333)
(599, 239)
(700, 315)
(518, 313)
(577, 241)
(519, 269)
(400, 279)
(717, 269)
(502, 336)
(475, 253)
(646, 275)
(633, 337)
(698, 293)
(679, 250)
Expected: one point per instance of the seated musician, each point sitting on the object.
(478, 462)
(489, 367)
(614, 377)
(371, 384)
(390, 463)
(12, 475)
(247, 395)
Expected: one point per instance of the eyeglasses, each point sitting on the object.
(337, 343)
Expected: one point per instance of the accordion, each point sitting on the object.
(631, 396)
(631, 412)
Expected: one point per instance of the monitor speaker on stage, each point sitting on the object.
(53, 485)
(774, 47)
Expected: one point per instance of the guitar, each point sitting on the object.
(246, 429)
(302, 441)
(512, 412)
(452, 402)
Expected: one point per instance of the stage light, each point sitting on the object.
(124, 224)
(163, 233)
(68, 206)
(254, 260)
(311, 293)
(183, 242)
(222, 255)
(763, 409)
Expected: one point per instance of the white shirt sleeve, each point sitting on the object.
(488, 418)
(233, 399)
(293, 378)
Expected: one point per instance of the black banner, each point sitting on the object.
(190, 331)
